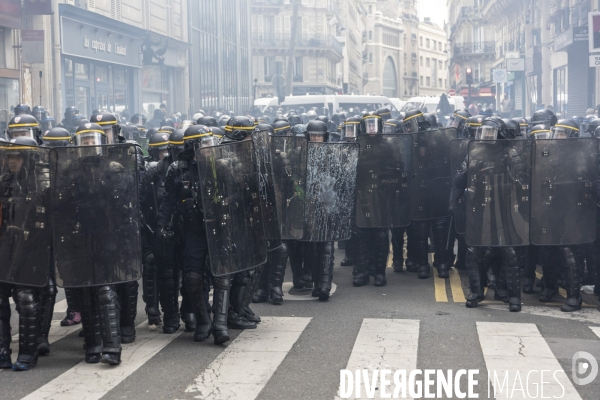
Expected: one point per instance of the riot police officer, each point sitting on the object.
(24, 125)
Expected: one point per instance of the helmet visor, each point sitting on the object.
(411, 126)
(486, 133)
(92, 138)
(541, 134)
(559, 132)
(524, 130)
(350, 131)
(209, 141)
(316, 136)
(39, 114)
(20, 131)
(371, 126)
(455, 123)
(389, 129)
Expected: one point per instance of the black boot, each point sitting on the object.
(398, 249)
(361, 244)
(150, 296)
(5, 351)
(187, 312)
(169, 302)
(46, 310)
(512, 270)
(220, 296)
(474, 261)
(549, 258)
(574, 299)
(443, 270)
(109, 312)
(90, 322)
(325, 271)
(381, 249)
(27, 304)
(296, 255)
(128, 296)
(277, 261)
(261, 294)
(194, 284)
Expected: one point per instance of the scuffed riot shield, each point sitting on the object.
(459, 149)
(25, 233)
(330, 191)
(563, 193)
(383, 181)
(289, 171)
(230, 194)
(264, 168)
(431, 180)
(95, 214)
(499, 176)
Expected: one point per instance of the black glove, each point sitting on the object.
(165, 234)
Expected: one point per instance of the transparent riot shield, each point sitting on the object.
(431, 178)
(330, 191)
(459, 149)
(264, 168)
(25, 233)
(563, 195)
(95, 215)
(499, 175)
(289, 172)
(383, 181)
(230, 193)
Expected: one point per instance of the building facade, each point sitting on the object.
(318, 54)
(410, 65)
(352, 35)
(10, 61)
(383, 53)
(220, 35)
(470, 45)
(433, 68)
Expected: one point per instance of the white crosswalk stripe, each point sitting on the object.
(92, 381)
(514, 350)
(246, 365)
(384, 344)
(596, 330)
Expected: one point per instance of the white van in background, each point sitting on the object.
(335, 103)
(432, 103)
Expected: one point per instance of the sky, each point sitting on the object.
(436, 9)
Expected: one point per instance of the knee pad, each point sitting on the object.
(26, 302)
(106, 295)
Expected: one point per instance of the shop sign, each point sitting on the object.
(32, 46)
(89, 41)
(595, 61)
(10, 13)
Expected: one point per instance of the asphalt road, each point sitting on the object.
(300, 348)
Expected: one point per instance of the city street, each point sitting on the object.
(298, 350)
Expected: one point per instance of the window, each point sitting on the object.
(421, 41)
(428, 43)
(428, 62)
(421, 80)
(441, 65)
(371, 58)
(2, 49)
(440, 81)
(428, 81)
(421, 61)
(82, 71)
(370, 9)
(370, 35)
(299, 67)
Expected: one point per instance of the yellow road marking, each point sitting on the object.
(456, 286)
(440, 289)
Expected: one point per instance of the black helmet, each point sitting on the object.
(23, 125)
(22, 109)
(70, 112)
(207, 121)
(141, 130)
(458, 119)
(487, 112)
(523, 125)
(393, 127)
(167, 122)
(217, 132)
(351, 129)
(47, 124)
(77, 120)
(150, 132)
(57, 137)
(295, 120)
(138, 119)
(545, 117)
(282, 128)
(540, 131)
(565, 128)
(371, 125)
(316, 131)
(90, 134)
(414, 121)
(323, 118)
(472, 125)
(384, 113)
(432, 119)
(592, 125)
(166, 129)
(492, 128)
(312, 115)
(239, 128)
(513, 129)
(200, 134)
(265, 128)
(158, 146)
(39, 113)
(176, 143)
(22, 157)
(223, 121)
(110, 124)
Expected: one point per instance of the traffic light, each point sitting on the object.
(469, 76)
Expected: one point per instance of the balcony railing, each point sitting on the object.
(474, 49)
(260, 39)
